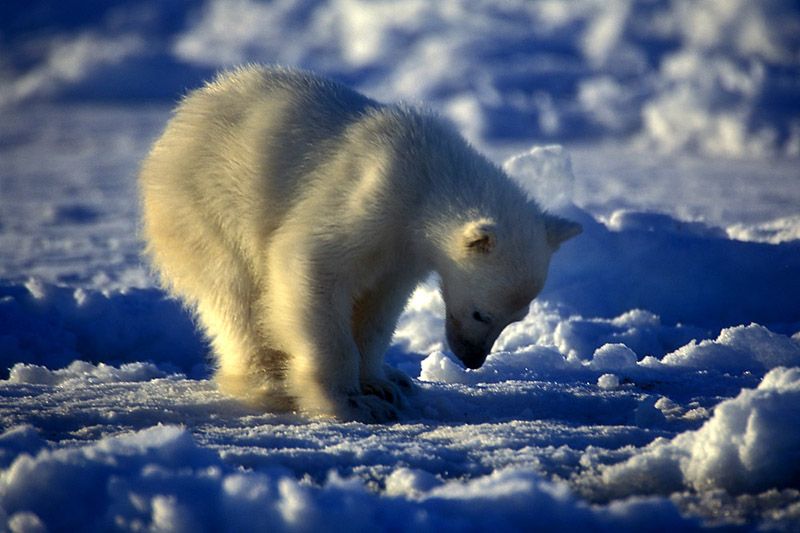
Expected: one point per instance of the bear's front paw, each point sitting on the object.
(370, 409)
(399, 378)
(387, 391)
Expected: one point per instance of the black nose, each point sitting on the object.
(472, 355)
(474, 362)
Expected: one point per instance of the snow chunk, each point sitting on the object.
(169, 515)
(26, 522)
(439, 366)
(750, 444)
(513, 499)
(641, 331)
(419, 329)
(608, 382)
(499, 366)
(411, 483)
(647, 413)
(164, 444)
(613, 357)
(774, 232)
(752, 347)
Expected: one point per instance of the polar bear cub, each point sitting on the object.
(296, 216)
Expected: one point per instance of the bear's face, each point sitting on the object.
(490, 279)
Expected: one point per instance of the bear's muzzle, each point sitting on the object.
(471, 353)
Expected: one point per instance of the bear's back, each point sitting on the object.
(261, 144)
(242, 149)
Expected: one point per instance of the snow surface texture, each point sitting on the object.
(655, 384)
(716, 76)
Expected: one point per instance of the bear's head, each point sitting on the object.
(491, 274)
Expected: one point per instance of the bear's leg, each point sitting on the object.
(309, 315)
(373, 319)
(244, 368)
(197, 263)
(322, 371)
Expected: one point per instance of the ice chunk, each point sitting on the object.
(613, 357)
(608, 382)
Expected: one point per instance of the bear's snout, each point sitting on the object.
(471, 353)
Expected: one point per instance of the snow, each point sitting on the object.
(654, 385)
(153, 479)
(750, 444)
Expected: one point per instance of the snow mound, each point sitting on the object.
(651, 261)
(52, 325)
(751, 443)
(636, 260)
(81, 372)
(741, 348)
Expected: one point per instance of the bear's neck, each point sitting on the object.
(447, 184)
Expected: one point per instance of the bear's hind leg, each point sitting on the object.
(244, 367)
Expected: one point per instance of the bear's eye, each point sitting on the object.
(483, 318)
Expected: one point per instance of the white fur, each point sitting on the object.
(296, 216)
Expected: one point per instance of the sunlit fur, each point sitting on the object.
(295, 217)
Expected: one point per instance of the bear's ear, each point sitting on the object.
(479, 236)
(560, 230)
